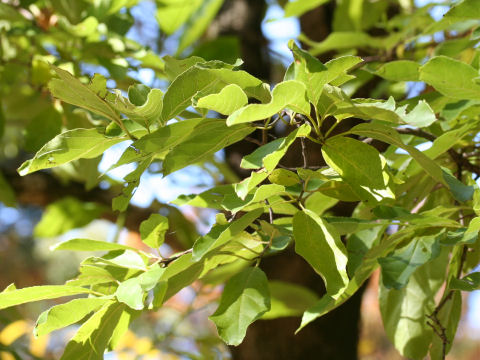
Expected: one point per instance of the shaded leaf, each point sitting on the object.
(91, 340)
(398, 266)
(69, 89)
(210, 136)
(270, 154)
(288, 299)
(299, 7)
(221, 234)
(152, 230)
(405, 321)
(200, 80)
(355, 161)
(245, 298)
(198, 22)
(470, 282)
(317, 242)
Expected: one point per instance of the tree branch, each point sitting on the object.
(458, 158)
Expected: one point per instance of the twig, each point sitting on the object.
(270, 211)
(295, 168)
(459, 159)
(166, 261)
(305, 166)
(254, 141)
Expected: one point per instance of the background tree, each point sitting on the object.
(334, 182)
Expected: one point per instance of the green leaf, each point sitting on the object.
(398, 266)
(367, 265)
(451, 77)
(69, 89)
(460, 191)
(210, 136)
(467, 9)
(68, 146)
(91, 340)
(299, 7)
(318, 203)
(37, 293)
(221, 234)
(197, 24)
(7, 195)
(421, 115)
(201, 80)
(116, 340)
(60, 316)
(182, 272)
(174, 66)
(89, 245)
(318, 243)
(132, 179)
(347, 40)
(270, 154)
(359, 243)
(160, 142)
(130, 293)
(308, 70)
(152, 230)
(463, 235)
(288, 299)
(348, 225)
(405, 321)
(127, 259)
(390, 136)
(66, 214)
(172, 14)
(138, 94)
(42, 128)
(470, 282)
(92, 275)
(235, 204)
(288, 94)
(229, 99)
(338, 67)
(355, 161)
(245, 299)
(244, 187)
(283, 177)
(400, 70)
(145, 114)
(211, 198)
(447, 140)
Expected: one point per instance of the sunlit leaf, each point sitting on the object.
(60, 316)
(92, 338)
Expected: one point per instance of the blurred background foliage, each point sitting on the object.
(125, 41)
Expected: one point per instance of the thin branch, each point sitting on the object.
(166, 261)
(458, 158)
